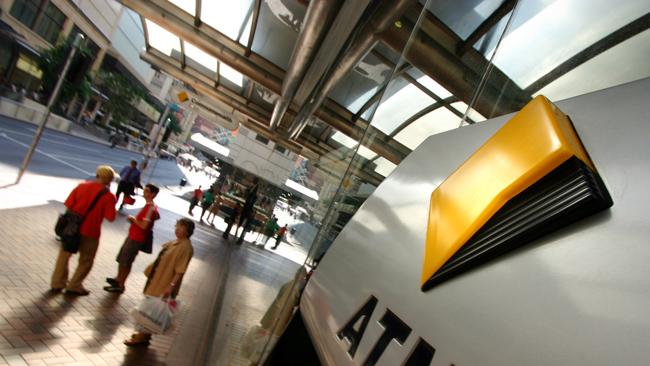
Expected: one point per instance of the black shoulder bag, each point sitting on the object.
(68, 225)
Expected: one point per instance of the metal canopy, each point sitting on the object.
(252, 56)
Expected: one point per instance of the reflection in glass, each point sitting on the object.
(406, 99)
(437, 121)
(384, 167)
(472, 114)
(552, 32)
(604, 70)
(350, 143)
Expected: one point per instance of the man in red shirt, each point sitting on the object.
(281, 233)
(141, 227)
(79, 201)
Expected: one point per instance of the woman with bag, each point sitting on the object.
(164, 276)
(139, 232)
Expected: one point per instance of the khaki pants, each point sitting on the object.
(87, 251)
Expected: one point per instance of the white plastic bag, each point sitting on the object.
(155, 314)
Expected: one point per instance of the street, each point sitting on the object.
(63, 155)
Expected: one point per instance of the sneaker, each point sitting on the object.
(114, 289)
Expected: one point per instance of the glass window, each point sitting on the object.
(201, 57)
(51, 23)
(472, 114)
(384, 167)
(187, 5)
(463, 17)
(437, 121)
(428, 83)
(604, 70)
(231, 74)
(558, 30)
(434, 87)
(25, 11)
(228, 17)
(350, 143)
(361, 83)
(29, 66)
(405, 100)
(262, 139)
(161, 39)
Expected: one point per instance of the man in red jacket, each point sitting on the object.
(79, 201)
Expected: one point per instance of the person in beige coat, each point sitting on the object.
(166, 273)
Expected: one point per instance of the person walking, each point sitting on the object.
(279, 236)
(208, 200)
(270, 228)
(231, 219)
(164, 276)
(129, 180)
(214, 209)
(140, 231)
(248, 211)
(197, 195)
(79, 201)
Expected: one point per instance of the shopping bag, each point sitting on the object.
(128, 200)
(155, 314)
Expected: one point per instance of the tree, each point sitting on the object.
(77, 81)
(121, 94)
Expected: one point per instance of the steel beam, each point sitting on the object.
(211, 41)
(318, 18)
(382, 18)
(256, 15)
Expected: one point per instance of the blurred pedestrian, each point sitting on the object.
(231, 219)
(279, 236)
(164, 276)
(270, 228)
(208, 200)
(129, 180)
(140, 231)
(79, 201)
(197, 195)
(248, 211)
(214, 209)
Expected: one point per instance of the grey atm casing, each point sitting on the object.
(578, 296)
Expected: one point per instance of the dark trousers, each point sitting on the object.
(277, 241)
(245, 222)
(124, 187)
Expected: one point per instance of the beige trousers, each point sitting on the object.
(87, 251)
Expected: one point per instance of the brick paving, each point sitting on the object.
(39, 328)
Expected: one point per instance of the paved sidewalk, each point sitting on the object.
(37, 328)
(227, 289)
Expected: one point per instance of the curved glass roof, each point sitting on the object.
(559, 48)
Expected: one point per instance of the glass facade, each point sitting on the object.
(41, 16)
(438, 67)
